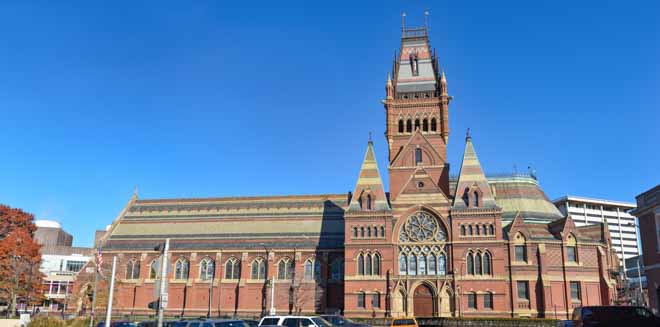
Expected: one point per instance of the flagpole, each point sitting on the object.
(108, 314)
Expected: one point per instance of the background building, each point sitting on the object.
(648, 214)
(616, 214)
(60, 263)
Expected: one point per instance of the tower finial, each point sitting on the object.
(135, 192)
(426, 19)
(370, 141)
(403, 21)
(468, 137)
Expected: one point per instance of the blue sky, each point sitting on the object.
(224, 98)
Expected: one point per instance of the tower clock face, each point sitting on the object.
(422, 227)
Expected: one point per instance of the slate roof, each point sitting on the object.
(369, 182)
(472, 175)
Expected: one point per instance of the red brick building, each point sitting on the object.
(648, 214)
(434, 245)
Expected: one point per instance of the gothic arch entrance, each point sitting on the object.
(423, 301)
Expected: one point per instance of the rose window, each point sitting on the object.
(422, 227)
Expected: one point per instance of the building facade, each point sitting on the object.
(648, 214)
(433, 245)
(60, 263)
(616, 214)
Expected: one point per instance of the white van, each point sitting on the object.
(294, 321)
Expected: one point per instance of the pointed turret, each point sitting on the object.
(389, 88)
(472, 190)
(443, 84)
(369, 192)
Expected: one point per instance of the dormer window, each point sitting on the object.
(475, 197)
(418, 156)
(368, 201)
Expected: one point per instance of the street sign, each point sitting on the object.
(163, 300)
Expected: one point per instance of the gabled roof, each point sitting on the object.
(369, 183)
(470, 176)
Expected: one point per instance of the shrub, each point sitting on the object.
(46, 322)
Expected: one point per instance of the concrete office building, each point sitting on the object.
(622, 225)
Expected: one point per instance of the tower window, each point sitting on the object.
(400, 126)
(409, 126)
(416, 124)
(434, 125)
(425, 125)
(476, 199)
(368, 202)
(418, 156)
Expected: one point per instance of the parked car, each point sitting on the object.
(404, 322)
(251, 323)
(603, 316)
(341, 321)
(175, 323)
(118, 324)
(294, 321)
(217, 323)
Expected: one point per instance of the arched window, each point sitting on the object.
(484, 229)
(418, 156)
(153, 269)
(361, 231)
(337, 269)
(416, 124)
(133, 269)
(232, 269)
(520, 249)
(477, 264)
(412, 265)
(285, 269)
(477, 230)
(470, 230)
(492, 229)
(369, 231)
(432, 266)
(368, 269)
(368, 201)
(362, 297)
(382, 231)
(463, 230)
(258, 270)
(425, 125)
(434, 125)
(488, 300)
(360, 264)
(470, 264)
(355, 232)
(408, 126)
(422, 265)
(312, 269)
(403, 264)
(206, 269)
(181, 268)
(376, 258)
(375, 300)
(400, 126)
(476, 199)
(442, 264)
(571, 249)
(487, 263)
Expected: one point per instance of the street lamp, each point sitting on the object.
(639, 274)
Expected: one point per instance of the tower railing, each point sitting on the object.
(414, 32)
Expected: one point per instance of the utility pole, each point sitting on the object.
(108, 314)
(163, 296)
(639, 280)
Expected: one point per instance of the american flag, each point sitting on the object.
(99, 260)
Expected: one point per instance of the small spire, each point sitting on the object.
(403, 20)
(468, 137)
(443, 78)
(135, 192)
(426, 19)
(370, 141)
(389, 79)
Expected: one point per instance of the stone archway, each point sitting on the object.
(423, 301)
